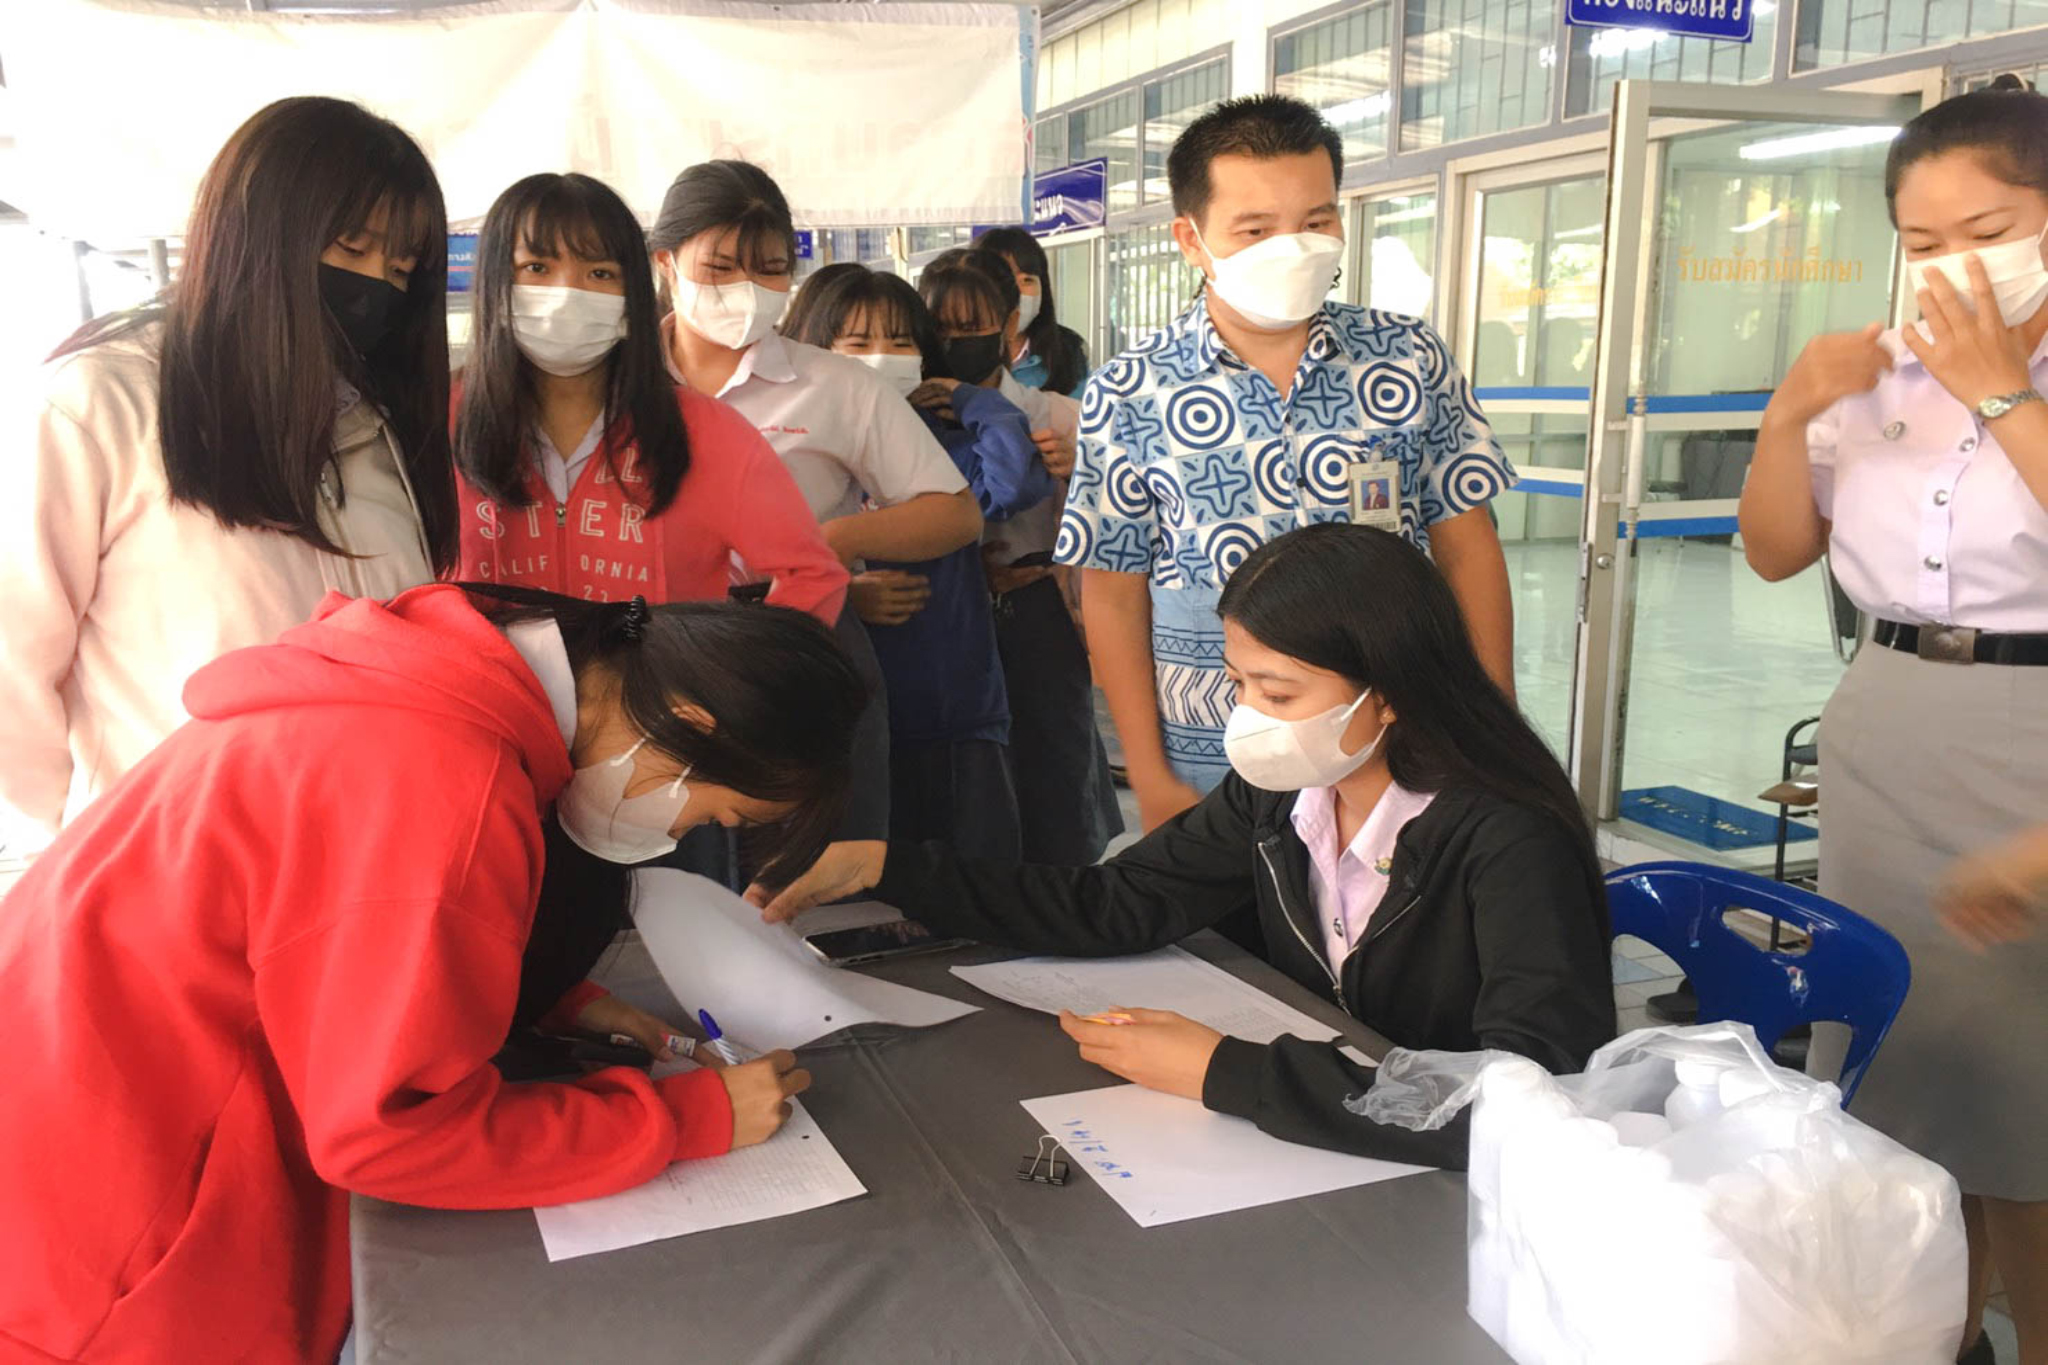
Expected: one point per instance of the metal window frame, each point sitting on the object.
(1780, 65)
(1799, 8)
(1396, 12)
(1136, 85)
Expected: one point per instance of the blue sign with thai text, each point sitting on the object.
(461, 262)
(806, 244)
(1071, 198)
(1732, 21)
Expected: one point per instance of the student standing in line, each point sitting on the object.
(1064, 792)
(194, 476)
(724, 249)
(1261, 408)
(1049, 356)
(1413, 850)
(1917, 461)
(950, 749)
(209, 1063)
(586, 469)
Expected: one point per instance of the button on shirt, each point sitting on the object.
(843, 434)
(1349, 884)
(1189, 459)
(1932, 525)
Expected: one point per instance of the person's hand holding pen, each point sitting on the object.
(760, 1089)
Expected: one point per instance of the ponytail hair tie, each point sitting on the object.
(633, 622)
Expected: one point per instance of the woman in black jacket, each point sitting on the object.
(1412, 848)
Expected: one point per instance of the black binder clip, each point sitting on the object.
(1043, 1168)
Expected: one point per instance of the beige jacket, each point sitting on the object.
(111, 596)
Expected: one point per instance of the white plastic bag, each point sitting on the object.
(1771, 1229)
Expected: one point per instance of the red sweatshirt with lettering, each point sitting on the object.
(270, 967)
(737, 517)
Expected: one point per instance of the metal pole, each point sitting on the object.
(160, 263)
(79, 251)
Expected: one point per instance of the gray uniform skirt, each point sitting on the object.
(1922, 763)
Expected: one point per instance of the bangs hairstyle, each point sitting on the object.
(959, 292)
(989, 266)
(1259, 126)
(556, 215)
(833, 297)
(251, 353)
(712, 196)
(782, 696)
(2005, 124)
(1065, 363)
(1368, 606)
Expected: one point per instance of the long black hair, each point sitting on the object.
(715, 195)
(251, 353)
(1061, 348)
(1368, 606)
(2006, 124)
(552, 215)
(832, 295)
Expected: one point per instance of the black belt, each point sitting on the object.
(1962, 644)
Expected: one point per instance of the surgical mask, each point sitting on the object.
(364, 306)
(598, 816)
(900, 372)
(1288, 755)
(1027, 310)
(2019, 281)
(973, 359)
(734, 315)
(566, 331)
(1277, 282)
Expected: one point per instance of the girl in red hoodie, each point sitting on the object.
(271, 965)
(584, 468)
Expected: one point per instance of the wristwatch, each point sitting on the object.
(1999, 404)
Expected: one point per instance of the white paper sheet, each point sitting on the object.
(1165, 1159)
(795, 1170)
(1170, 979)
(762, 985)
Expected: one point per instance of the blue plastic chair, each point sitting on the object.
(1852, 973)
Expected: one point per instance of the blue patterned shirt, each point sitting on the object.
(1189, 459)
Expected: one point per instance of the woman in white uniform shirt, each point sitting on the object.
(1919, 460)
(724, 248)
(195, 476)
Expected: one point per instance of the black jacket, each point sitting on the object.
(1494, 934)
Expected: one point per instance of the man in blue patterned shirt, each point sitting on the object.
(1261, 408)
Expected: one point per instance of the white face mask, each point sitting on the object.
(900, 372)
(2019, 281)
(1027, 310)
(1287, 755)
(734, 315)
(1277, 282)
(603, 821)
(566, 331)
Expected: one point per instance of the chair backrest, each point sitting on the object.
(1852, 972)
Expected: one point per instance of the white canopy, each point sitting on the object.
(868, 114)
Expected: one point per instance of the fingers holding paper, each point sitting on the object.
(760, 1091)
(1157, 1049)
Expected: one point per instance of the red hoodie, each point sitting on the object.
(268, 968)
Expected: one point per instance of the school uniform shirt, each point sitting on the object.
(844, 435)
(594, 539)
(944, 676)
(114, 594)
(206, 1065)
(1931, 524)
(1348, 884)
(1189, 459)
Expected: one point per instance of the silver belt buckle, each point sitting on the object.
(1948, 644)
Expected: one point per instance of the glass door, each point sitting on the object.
(1729, 244)
(1530, 302)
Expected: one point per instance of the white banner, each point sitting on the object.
(867, 115)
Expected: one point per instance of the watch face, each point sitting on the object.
(1995, 407)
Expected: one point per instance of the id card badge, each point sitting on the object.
(1376, 494)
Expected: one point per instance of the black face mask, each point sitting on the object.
(364, 307)
(973, 359)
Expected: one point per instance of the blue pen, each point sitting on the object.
(726, 1051)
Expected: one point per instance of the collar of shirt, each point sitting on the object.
(1350, 883)
(767, 359)
(540, 644)
(1893, 339)
(1203, 349)
(561, 474)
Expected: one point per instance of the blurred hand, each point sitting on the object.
(1832, 367)
(843, 869)
(1158, 1049)
(1057, 452)
(1003, 577)
(1159, 802)
(934, 393)
(608, 1014)
(888, 597)
(1973, 354)
(1988, 899)
(760, 1091)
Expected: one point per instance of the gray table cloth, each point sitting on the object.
(948, 1257)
